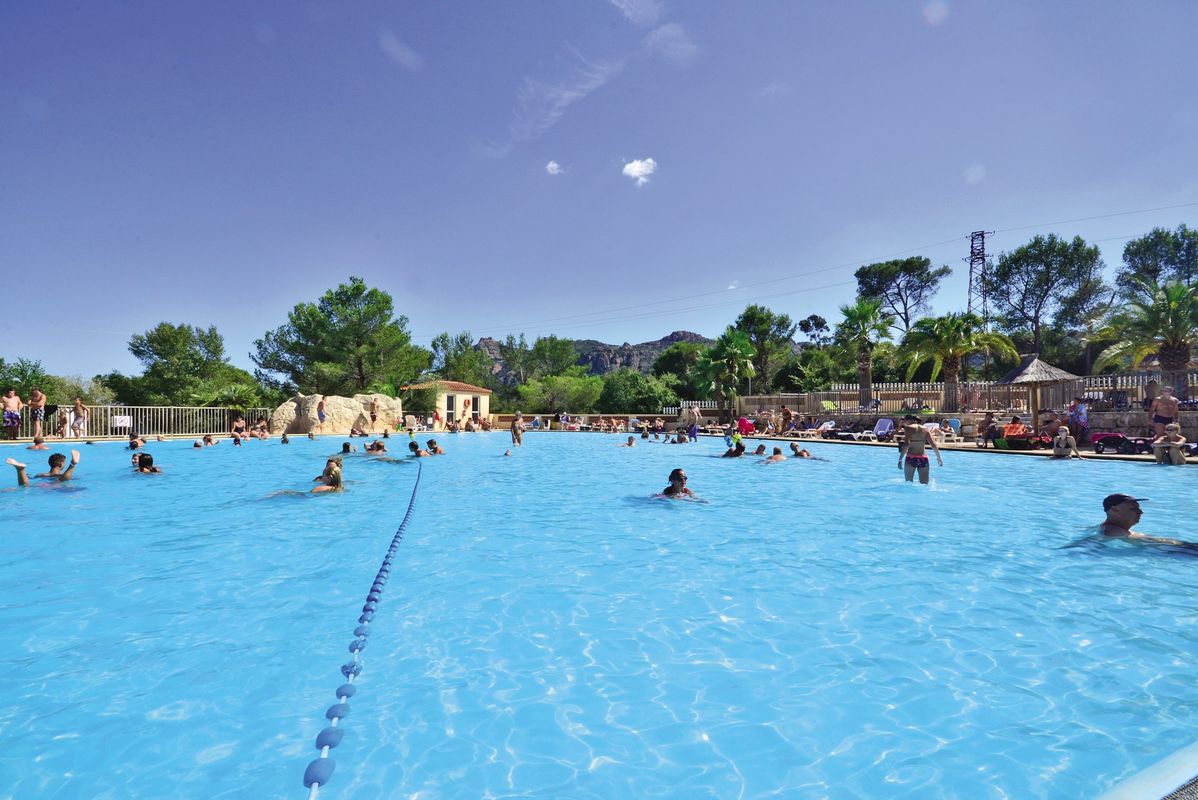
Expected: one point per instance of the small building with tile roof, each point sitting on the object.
(457, 400)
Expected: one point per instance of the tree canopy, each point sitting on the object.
(904, 286)
(455, 358)
(573, 392)
(630, 391)
(772, 339)
(1161, 321)
(1159, 257)
(552, 356)
(347, 340)
(184, 365)
(1036, 281)
(681, 360)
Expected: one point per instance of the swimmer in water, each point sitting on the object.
(507, 453)
(1122, 512)
(417, 452)
(760, 451)
(797, 453)
(56, 473)
(38, 444)
(145, 465)
(776, 457)
(434, 448)
(677, 488)
(630, 443)
(736, 451)
(330, 479)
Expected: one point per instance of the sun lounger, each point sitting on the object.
(883, 431)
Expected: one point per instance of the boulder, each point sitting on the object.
(298, 415)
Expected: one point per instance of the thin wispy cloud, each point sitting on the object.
(541, 104)
(639, 12)
(399, 52)
(734, 285)
(640, 170)
(553, 168)
(672, 43)
(772, 91)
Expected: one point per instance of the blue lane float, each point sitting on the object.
(321, 768)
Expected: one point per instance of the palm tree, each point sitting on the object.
(864, 326)
(1163, 321)
(724, 365)
(946, 342)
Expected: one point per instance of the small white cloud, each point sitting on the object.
(935, 12)
(553, 168)
(974, 174)
(772, 90)
(734, 285)
(639, 12)
(399, 52)
(671, 43)
(640, 170)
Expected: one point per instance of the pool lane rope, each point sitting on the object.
(321, 769)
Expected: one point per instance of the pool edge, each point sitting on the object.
(1159, 780)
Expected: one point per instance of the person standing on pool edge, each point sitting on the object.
(320, 415)
(911, 454)
(518, 430)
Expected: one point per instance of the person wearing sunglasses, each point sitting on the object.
(677, 487)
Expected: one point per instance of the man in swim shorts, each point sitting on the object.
(518, 430)
(912, 457)
(1164, 410)
(12, 413)
(37, 409)
(677, 488)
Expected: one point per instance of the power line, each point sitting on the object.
(597, 317)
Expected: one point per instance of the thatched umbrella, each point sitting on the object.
(1034, 373)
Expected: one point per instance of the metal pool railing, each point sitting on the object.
(142, 420)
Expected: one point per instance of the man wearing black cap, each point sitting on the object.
(1123, 511)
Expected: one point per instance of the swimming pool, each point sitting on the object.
(819, 629)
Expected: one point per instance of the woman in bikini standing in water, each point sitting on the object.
(912, 457)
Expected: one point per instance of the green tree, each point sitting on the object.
(630, 391)
(681, 360)
(22, 375)
(517, 357)
(572, 392)
(772, 338)
(945, 342)
(865, 325)
(341, 344)
(1158, 257)
(905, 286)
(815, 328)
(183, 365)
(725, 365)
(552, 356)
(1035, 281)
(1165, 324)
(455, 358)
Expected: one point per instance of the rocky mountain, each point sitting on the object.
(601, 358)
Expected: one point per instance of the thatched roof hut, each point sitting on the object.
(1032, 370)
(1034, 373)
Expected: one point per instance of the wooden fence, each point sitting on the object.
(1115, 392)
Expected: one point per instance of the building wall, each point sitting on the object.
(482, 401)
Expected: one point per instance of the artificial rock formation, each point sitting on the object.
(298, 415)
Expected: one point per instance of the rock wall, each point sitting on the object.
(297, 416)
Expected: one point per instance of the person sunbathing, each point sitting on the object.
(1170, 447)
(1015, 429)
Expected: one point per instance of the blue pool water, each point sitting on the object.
(819, 629)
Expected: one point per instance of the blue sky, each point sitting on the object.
(216, 163)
